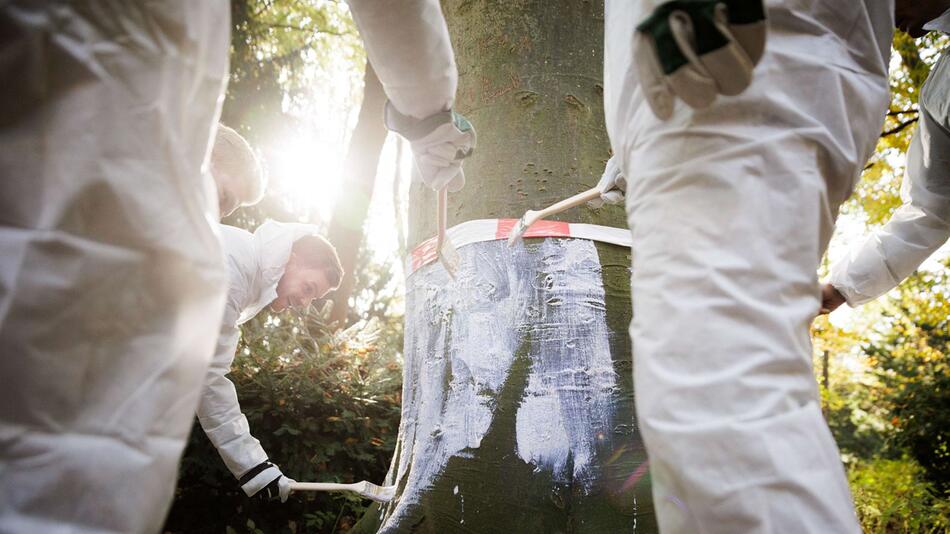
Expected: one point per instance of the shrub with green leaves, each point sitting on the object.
(911, 359)
(325, 407)
(892, 496)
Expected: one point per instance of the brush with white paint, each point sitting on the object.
(531, 216)
(448, 254)
(366, 489)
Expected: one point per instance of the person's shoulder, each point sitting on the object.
(236, 241)
(243, 263)
(241, 253)
(234, 233)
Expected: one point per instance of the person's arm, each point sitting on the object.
(219, 414)
(408, 45)
(918, 227)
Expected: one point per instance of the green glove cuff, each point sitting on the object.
(701, 14)
(657, 25)
(745, 11)
(414, 129)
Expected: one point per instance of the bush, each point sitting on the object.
(912, 363)
(325, 408)
(892, 496)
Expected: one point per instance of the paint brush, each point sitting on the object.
(531, 216)
(448, 254)
(366, 489)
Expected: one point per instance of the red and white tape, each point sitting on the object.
(480, 230)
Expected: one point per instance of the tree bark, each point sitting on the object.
(518, 411)
(359, 172)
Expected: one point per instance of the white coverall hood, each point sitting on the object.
(730, 209)
(256, 263)
(921, 225)
(111, 274)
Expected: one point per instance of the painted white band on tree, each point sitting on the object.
(480, 230)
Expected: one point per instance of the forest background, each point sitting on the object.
(321, 390)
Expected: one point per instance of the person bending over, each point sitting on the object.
(280, 266)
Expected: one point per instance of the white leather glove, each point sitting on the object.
(283, 488)
(267, 482)
(612, 186)
(439, 143)
(696, 49)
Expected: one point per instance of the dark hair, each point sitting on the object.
(317, 253)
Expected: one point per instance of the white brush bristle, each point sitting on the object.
(379, 493)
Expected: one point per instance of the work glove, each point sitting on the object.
(696, 49)
(612, 186)
(267, 482)
(439, 143)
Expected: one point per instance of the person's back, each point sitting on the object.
(110, 270)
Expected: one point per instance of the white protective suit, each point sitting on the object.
(730, 209)
(111, 275)
(922, 224)
(256, 262)
(408, 44)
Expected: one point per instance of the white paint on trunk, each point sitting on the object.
(461, 341)
(566, 407)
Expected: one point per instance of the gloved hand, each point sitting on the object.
(439, 144)
(696, 49)
(267, 482)
(612, 186)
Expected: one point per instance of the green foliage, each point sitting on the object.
(377, 292)
(891, 496)
(325, 407)
(279, 49)
(861, 426)
(860, 423)
(891, 418)
(912, 363)
(878, 192)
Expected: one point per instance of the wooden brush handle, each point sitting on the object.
(568, 203)
(442, 217)
(321, 486)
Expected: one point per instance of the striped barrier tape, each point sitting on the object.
(480, 230)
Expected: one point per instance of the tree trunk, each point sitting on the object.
(359, 172)
(518, 411)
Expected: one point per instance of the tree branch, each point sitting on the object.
(894, 113)
(301, 28)
(899, 128)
